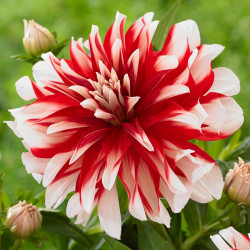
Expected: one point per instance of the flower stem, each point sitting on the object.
(17, 244)
(189, 242)
(1, 185)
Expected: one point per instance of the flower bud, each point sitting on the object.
(23, 219)
(37, 39)
(237, 183)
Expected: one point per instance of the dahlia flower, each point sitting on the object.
(125, 111)
(234, 240)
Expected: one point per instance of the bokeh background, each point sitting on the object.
(226, 22)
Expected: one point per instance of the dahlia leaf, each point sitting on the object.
(59, 46)
(149, 239)
(195, 214)
(115, 244)
(232, 145)
(164, 26)
(56, 222)
(242, 151)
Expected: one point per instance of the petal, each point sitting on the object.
(219, 242)
(115, 147)
(225, 116)
(86, 142)
(24, 89)
(234, 238)
(127, 176)
(54, 166)
(225, 82)
(57, 191)
(109, 212)
(34, 164)
(176, 201)
(138, 133)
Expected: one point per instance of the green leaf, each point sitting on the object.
(149, 239)
(232, 144)
(242, 151)
(175, 227)
(56, 222)
(223, 202)
(115, 244)
(235, 215)
(164, 26)
(123, 197)
(248, 214)
(225, 166)
(59, 46)
(195, 214)
(26, 58)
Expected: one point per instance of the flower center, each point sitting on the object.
(109, 99)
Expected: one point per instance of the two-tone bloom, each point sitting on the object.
(229, 238)
(126, 111)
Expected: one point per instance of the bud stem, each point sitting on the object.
(1, 184)
(17, 244)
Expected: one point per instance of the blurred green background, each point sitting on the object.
(225, 22)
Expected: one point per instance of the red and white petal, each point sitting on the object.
(225, 116)
(54, 166)
(139, 134)
(225, 82)
(194, 168)
(135, 30)
(58, 190)
(235, 239)
(130, 102)
(114, 147)
(176, 201)
(109, 212)
(44, 70)
(25, 89)
(201, 67)
(88, 189)
(181, 37)
(213, 182)
(163, 217)
(80, 60)
(147, 184)
(127, 176)
(34, 164)
(73, 206)
(219, 242)
(86, 142)
(96, 49)
(13, 126)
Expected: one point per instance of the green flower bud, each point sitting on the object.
(37, 39)
(23, 219)
(237, 183)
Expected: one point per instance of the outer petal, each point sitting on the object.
(225, 116)
(109, 212)
(225, 82)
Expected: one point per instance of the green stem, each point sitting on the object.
(1, 187)
(17, 244)
(189, 242)
(222, 215)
